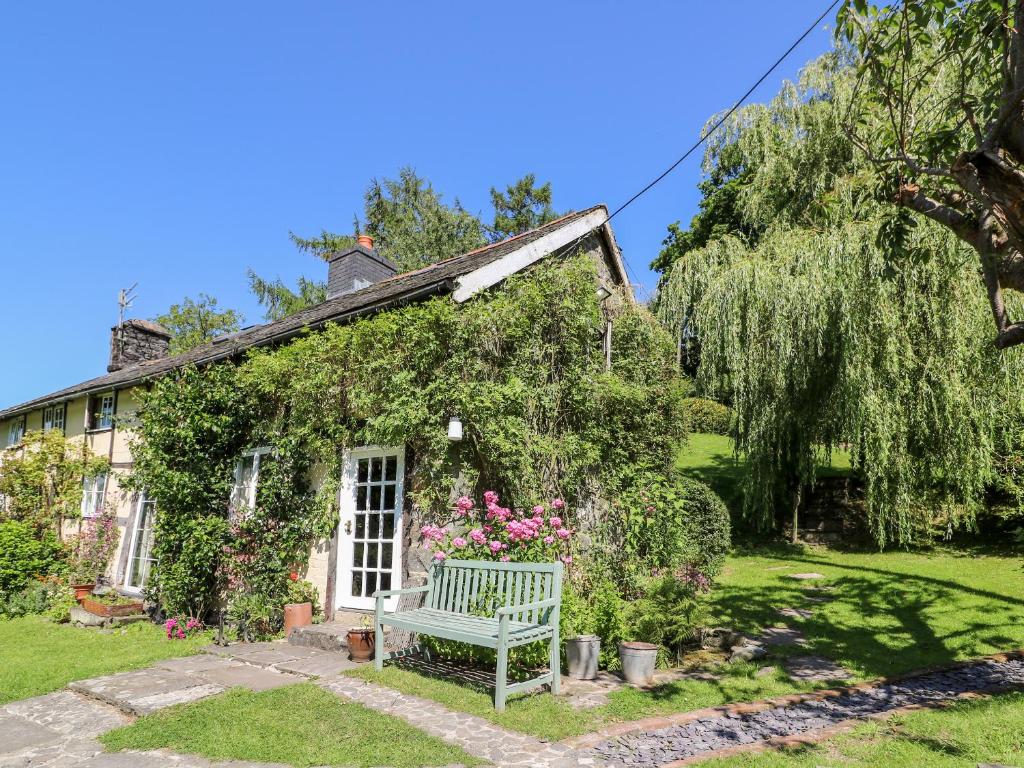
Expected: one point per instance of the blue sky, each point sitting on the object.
(175, 145)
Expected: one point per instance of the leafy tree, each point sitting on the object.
(279, 300)
(412, 226)
(41, 484)
(719, 211)
(521, 207)
(828, 330)
(193, 323)
(940, 115)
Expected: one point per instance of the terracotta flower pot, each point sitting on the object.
(360, 644)
(297, 615)
(82, 591)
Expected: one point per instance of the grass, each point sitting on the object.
(40, 656)
(711, 459)
(299, 725)
(985, 731)
(891, 613)
(550, 718)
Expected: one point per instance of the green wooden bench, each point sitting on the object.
(489, 604)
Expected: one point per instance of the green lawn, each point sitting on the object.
(299, 725)
(38, 656)
(890, 613)
(711, 459)
(968, 734)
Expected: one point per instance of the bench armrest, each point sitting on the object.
(407, 591)
(551, 602)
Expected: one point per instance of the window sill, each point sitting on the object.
(98, 430)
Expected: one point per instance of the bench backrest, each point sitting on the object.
(481, 586)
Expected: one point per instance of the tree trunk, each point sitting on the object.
(796, 515)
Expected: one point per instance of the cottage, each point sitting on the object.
(368, 549)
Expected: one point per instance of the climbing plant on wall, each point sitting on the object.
(522, 365)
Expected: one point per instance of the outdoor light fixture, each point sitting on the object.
(602, 293)
(455, 429)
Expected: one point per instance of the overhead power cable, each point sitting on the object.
(718, 123)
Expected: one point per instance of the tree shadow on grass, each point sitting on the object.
(879, 622)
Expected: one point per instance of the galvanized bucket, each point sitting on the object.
(582, 654)
(638, 660)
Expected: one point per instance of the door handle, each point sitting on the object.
(348, 527)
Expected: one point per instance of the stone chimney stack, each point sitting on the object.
(135, 341)
(356, 268)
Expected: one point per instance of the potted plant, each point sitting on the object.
(298, 611)
(361, 641)
(91, 550)
(112, 604)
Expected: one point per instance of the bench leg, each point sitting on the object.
(501, 678)
(378, 643)
(556, 665)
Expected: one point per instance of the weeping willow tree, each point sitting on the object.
(836, 327)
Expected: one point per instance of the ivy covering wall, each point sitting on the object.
(522, 365)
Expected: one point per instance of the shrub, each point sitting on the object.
(670, 611)
(707, 526)
(50, 596)
(22, 556)
(664, 523)
(708, 416)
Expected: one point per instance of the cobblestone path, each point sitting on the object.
(709, 734)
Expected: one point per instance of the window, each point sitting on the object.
(16, 431)
(141, 559)
(102, 414)
(247, 475)
(93, 491)
(53, 417)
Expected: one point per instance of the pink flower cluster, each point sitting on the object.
(496, 532)
(175, 629)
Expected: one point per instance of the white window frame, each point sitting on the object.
(104, 415)
(54, 417)
(246, 493)
(94, 492)
(136, 532)
(16, 431)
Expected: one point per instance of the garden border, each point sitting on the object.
(589, 740)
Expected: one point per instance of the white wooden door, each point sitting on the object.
(370, 538)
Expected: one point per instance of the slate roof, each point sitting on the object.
(402, 288)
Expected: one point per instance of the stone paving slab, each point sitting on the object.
(814, 669)
(320, 666)
(299, 660)
(805, 576)
(245, 676)
(18, 734)
(147, 704)
(69, 714)
(782, 636)
(796, 613)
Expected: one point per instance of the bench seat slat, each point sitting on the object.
(479, 630)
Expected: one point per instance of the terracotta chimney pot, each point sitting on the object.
(366, 241)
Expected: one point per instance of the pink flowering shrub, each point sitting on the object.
(94, 545)
(178, 630)
(495, 532)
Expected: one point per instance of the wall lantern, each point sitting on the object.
(455, 429)
(602, 293)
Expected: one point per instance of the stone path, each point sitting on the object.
(477, 736)
(59, 730)
(754, 725)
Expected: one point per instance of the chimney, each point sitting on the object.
(356, 268)
(135, 341)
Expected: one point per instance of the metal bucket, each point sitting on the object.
(582, 654)
(638, 660)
